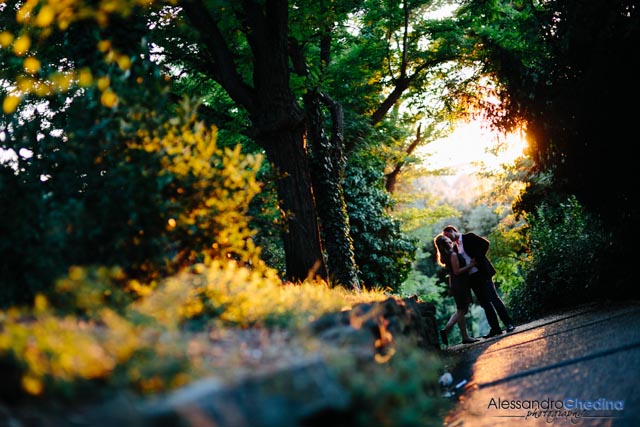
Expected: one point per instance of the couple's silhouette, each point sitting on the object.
(464, 257)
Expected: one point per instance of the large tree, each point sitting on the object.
(241, 47)
(277, 119)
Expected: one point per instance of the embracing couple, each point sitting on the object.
(464, 257)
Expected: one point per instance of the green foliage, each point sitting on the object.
(91, 198)
(421, 222)
(209, 190)
(149, 201)
(482, 219)
(568, 250)
(507, 237)
(404, 391)
(265, 218)
(507, 252)
(115, 175)
(383, 252)
(427, 288)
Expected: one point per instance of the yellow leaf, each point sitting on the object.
(31, 65)
(85, 78)
(22, 45)
(40, 303)
(32, 385)
(124, 62)
(109, 99)
(45, 16)
(24, 13)
(6, 38)
(43, 89)
(104, 45)
(10, 103)
(77, 273)
(61, 81)
(103, 83)
(25, 84)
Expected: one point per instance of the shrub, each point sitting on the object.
(567, 251)
(402, 392)
(383, 252)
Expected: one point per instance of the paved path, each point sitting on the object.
(580, 367)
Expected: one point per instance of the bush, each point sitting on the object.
(568, 250)
(151, 201)
(384, 254)
(402, 392)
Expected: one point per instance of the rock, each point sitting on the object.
(278, 399)
(377, 323)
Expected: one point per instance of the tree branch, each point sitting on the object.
(224, 68)
(392, 177)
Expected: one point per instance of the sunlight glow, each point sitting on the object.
(473, 147)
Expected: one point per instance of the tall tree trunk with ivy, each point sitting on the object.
(328, 165)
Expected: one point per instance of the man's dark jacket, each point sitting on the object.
(477, 247)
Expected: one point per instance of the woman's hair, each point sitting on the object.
(443, 249)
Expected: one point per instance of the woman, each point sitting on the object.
(453, 264)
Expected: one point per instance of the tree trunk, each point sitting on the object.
(328, 165)
(286, 152)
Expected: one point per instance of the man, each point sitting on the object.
(472, 246)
